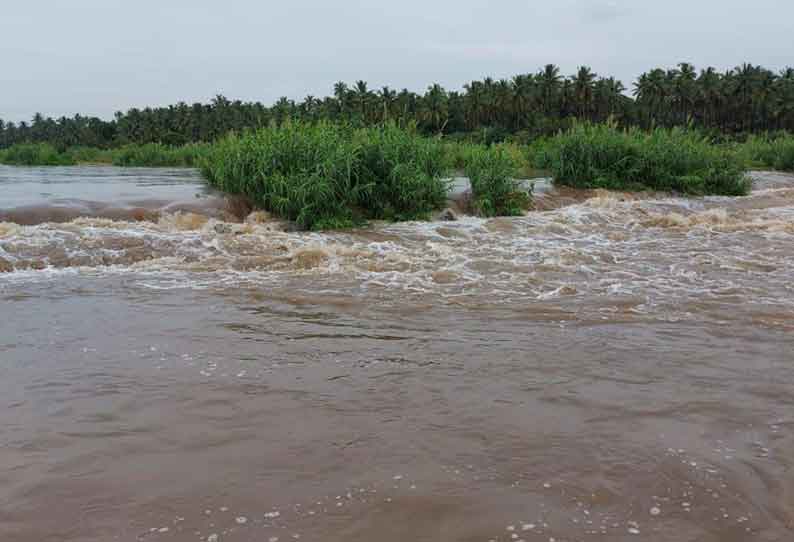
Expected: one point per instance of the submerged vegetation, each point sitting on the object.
(362, 154)
(495, 191)
(327, 175)
(675, 160)
(765, 152)
(332, 175)
(148, 155)
(34, 154)
(159, 155)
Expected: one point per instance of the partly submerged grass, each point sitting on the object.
(403, 174)
(159, 155)
(459, 154)
(147, 155)
(329, 175)
(34, 154)
(768, 152)
(89, 155)
(494, 188)
(678, 160)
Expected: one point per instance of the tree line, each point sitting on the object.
(746, 99)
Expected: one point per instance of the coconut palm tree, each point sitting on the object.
(362, 98)
(406, 104)
(583, 85)
(744, 79)
(474, 104)
(523, 90)
(763, 97)
(387, 99)
(434, 108)
(684, 83)
(549, 81)
(504, 103)
(747, 98)
(709, 95)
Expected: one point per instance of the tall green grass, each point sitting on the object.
(89, 155)
(34, 154)
(677, 160)
(460, 153)
(768, 152)
(403, 174)
(148, 155)
(159, 155)
(329, 175)
(494, 188)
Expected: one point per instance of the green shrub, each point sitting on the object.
(459, 153)
(495, 191)
(403, 172)
(765, 152)
(677, 160)
(159, 155)
(148, 155)
(540, 154)
(784, 149)
(34, 154)
(303, 173)
(89, 155)
(456, 153)
(329, 175)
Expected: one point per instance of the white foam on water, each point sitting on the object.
(647, 258)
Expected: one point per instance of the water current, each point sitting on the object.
(175, 367)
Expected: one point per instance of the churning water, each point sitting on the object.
(609, 367)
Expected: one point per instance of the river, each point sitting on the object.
(609, 367)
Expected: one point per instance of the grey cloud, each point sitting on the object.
(602, 11)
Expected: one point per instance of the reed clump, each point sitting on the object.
(159, 155)
(327, 176)
(34, 154)
(132, 155)
(772, 152)
(495, 191)
(675, 160)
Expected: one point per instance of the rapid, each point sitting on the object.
(176, 366)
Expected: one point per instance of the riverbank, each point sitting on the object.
(83, 202)
(329, 176)
(132, 155)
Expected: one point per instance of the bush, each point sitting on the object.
(159, 155)
(458, 154)
(404, 172)
(677, 160)
(765, 152)
(89, 155)
(328, 175)
(34, 154)
(148, 155)
(495, 191)
(784, 149)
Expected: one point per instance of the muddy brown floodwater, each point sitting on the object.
(613, 367)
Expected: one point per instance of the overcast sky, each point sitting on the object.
(99, 56)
